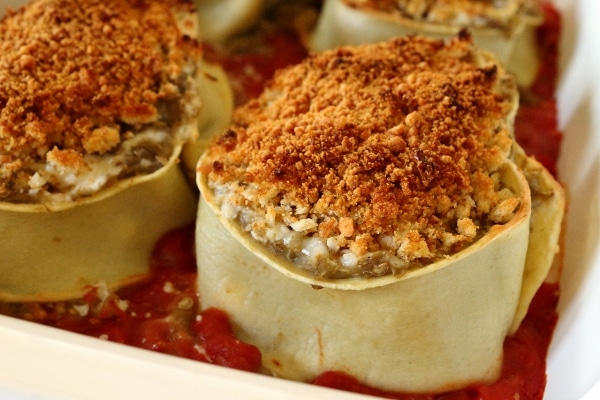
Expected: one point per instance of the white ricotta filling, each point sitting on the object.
(68, 182)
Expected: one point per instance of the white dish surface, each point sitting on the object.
(42, 363)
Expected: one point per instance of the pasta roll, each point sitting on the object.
(97, 99)
(370, 212)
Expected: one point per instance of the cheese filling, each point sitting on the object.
(142, 154)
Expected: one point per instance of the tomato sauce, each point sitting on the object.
(163, 313)
(248, 72)
(524, 366)
(536, 122)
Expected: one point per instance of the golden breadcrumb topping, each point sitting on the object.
(492, 13)
(82, 76)
(391, 146)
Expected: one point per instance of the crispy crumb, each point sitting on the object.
(346, 226)
(466, 227)
(65, 159)
(101, 140)
(394, 142)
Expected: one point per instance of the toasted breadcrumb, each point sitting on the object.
(79, 76)
(398, 143)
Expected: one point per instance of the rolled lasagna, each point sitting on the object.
(97, 99)
(371, 213)
(504, 27)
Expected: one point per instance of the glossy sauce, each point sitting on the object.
(163, 313)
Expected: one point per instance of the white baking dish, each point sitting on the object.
(37, 362)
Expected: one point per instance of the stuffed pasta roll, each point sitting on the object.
(97, 99)
(371, 213)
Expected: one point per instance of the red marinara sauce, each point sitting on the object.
(163, 312)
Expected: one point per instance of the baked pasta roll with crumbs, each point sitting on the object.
(97, 99)
(505, 27)
(371, 213)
